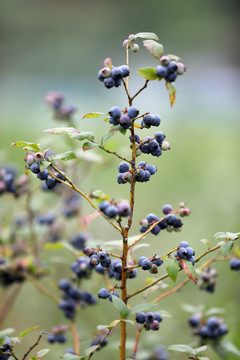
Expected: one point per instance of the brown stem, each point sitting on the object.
(126, 89)
(136, 341)
(34, 345)
(104, 337)
(42, 289)
(113, 153)
(75, 337)
(75, 188)
(8, 303)
(140, 90)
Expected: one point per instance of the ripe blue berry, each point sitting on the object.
(115, 112)
(43, 175)
(167, 209)
(149, 317)
(35, 168)
(141, 259)
(133, 112)
(123, 167)
(125, 121)
(116, 73)
(125, 70)
(111, 211)
(109, 82)
(172, 66)
(103, 293)
(160, 136)
(152, 169)
(161, 71)
(124, 209)
(171, 76)
(146, 264)
(140, 318)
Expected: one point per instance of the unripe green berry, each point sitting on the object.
(165, 146)
(181, 69)
(38, 157)
(135, 48)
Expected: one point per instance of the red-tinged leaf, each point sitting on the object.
(93, 115)
(154, 48)
(89, 145)
(112, 131)
(148, 73)
(60, 130)
(188, 268)
(107, 63)
(172, 92)
(27, 145)
(174, 57)
(90, 217)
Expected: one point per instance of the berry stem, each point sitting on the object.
(138, 333)
(113, 153)
(34, 345)
(140, 90)
(75, 337)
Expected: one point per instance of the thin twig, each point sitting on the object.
(34, 345)
(42, 289)
(113, 153)
(126, 89)
(8, 303)
(99, 343)
(138, 333)
(140, 90)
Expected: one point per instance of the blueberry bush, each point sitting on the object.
(56, 178)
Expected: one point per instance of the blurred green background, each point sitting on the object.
(60, 45)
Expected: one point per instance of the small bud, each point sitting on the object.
(138, 152)
(165, 60)
(29, 159)
(106, 72)
(127, 176)
(131, 37)
(135, 48)
(182, 204)
(144, 223)
(165, 146)
(126, 43)
(154, 269)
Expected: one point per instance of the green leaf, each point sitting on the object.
(22, 334)
(200, 349)
(154, 48)
(232, 236)
(62, 130)
(230, 347)
(69, 356)
(91, 350)
(68, 155)
(174, 57)
(44, 164)
(172, 269)
(121, 306)
(172, 92)
(226, 248)
(42, 352)
(112, 131)
(6, 332)
(93, 115)
(214, 311)
(27, 145)
(146, 35)
(53, 246)
(148, 73)
(188, 268)
(89, 145)
(34, 358)
(111, 326)
(192, 309)
(182, 348)
(206, 242)
(121, 130)
(82, 135)
(142, 307)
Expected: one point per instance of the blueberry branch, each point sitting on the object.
(138, 333)
(34, 345)
(113, 153)
(140, 90)
(75, 188)
(99, 343)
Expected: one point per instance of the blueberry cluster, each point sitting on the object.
(150, 320)
(99, 341)
(82, 267)
(115, 270)
(235, 264)
(33, 162)
(60, 111)
(8, 183)
(185, 252)
(112, 210)
(122, 119)
(105, 294)
(78, 241)
(150, 120)
(142, 173)
(5, 352)
(10, 275)
(211, 329)
(71, 205)
(112, 76)
(170, 222)
(46, 219)
(152, 145)
(100, 258)
(73, 297)
(150, 264)
(207, 280)
(169, 69)
(57, 334)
